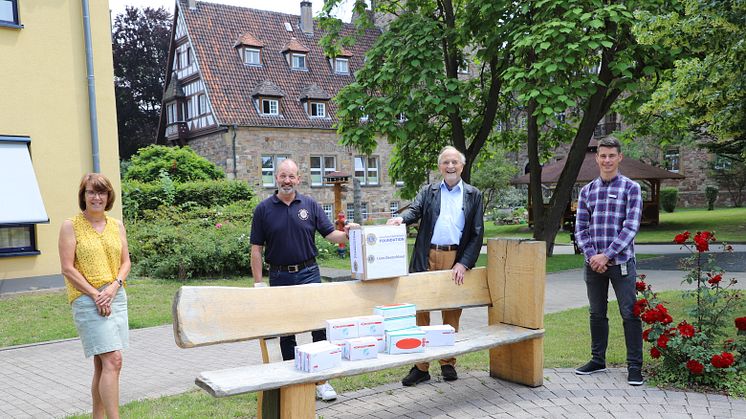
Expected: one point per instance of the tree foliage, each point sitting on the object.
(140, 43)
(181, 164)
(561, 64)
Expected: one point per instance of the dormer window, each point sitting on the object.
(317, 109)
(298, 61)
(342, 65)
(270, 107)
(252, 56)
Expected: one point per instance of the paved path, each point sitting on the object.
(52, 379)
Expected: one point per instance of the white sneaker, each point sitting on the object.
(325, 392)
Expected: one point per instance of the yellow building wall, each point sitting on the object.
(44, 95)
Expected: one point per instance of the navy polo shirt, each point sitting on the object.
(287, 232)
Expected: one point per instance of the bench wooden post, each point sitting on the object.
(516, 272)
(268, 401)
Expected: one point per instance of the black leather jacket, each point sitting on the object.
(426, 209)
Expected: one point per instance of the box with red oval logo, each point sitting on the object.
(378, 251)
(405, 341)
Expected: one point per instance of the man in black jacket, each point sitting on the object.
(449, 237)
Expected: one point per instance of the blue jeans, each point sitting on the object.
(597, 286)
(309, 275)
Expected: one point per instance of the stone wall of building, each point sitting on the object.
(694, 164)
(252, 143)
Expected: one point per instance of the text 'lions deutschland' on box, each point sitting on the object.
(378, 251)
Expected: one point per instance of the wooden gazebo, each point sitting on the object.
(649, 177)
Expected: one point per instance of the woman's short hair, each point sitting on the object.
(98, 183)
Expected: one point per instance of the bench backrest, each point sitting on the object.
(512, 285)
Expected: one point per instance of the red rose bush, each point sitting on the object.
(698, 352)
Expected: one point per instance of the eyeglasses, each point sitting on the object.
(92, 194)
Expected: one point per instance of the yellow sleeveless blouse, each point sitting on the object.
(98, 256)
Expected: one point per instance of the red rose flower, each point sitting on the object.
(685, 329)
(667, 319)
(741, 323)
(646, 334)
(695, 367)
(714, 280)
(639, 307)
(640, 285)
(642, 277)
(702, 241)
(681, 238)
(649, 316)
(662, 341)
(724, 360)
(655, 353)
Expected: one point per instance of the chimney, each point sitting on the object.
(306, 18)
(192, 4)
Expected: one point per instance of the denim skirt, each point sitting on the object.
(100, 334)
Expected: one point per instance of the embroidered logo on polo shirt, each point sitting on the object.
(303, 214)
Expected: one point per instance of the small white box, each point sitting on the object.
(370, 326)
(340, 329)
(361, 348)
(320, 357)
(439, 335)
(381, 342)
(397, 323)
(378, 251)
(405, 341)
(395, 310)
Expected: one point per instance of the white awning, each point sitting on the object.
(20, 198)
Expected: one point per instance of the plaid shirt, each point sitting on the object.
(608, 218)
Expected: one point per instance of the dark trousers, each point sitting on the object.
(309, 275)
(597, 286)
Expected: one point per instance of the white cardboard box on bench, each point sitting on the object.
(318, 356)
(378, 251)
(439, 335)
(405, 341)
(361, 348)
(398, 323)
(370, 326)
(344, 328)
(395, 310)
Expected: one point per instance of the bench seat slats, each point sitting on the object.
(239, 380)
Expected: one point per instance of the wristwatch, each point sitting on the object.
(120, 282)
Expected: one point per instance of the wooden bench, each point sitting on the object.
(511, 287)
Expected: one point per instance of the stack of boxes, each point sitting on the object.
(391, 329)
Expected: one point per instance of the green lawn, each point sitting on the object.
(729, 225)
(566, 345)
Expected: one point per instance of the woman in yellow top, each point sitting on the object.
(95, 262)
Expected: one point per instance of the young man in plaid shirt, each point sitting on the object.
(608, 218)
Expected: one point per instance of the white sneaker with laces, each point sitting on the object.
(325, 392)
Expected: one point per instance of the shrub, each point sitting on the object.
(184, 242)
(711, 193)
(138, 197)
(181, 164)
(701, 352)
(669, 198)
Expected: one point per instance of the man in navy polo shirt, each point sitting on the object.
(285, 224)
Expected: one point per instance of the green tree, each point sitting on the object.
(180, 164)
(491, 173)
(561, 64)
(140, 41)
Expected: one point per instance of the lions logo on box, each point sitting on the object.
(371, 258)
(371, 239)
(303, 214)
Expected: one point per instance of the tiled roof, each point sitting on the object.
(314, 92)
(267, 88)
(249, 40)
(295, 46)
(213, 29)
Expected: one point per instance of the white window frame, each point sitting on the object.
(201, 104)
(329, 211)
(393, 208)
(324, 165)
(317, 109)
(268, 172)
(11, 7)
(171, 114)
(251, 53)
(274, 107)
(672, 160)
(342, 65)
(463, 67)
(362, 164)
(296, 59)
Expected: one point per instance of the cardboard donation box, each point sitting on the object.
(361, 348)
(378, 251)
(397, 323)
(370, 326)
(395, 310)
(405, 341)
(317, 356)
(439, 335)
